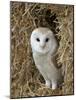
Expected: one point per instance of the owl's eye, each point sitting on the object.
(47, 39)
(38, 39)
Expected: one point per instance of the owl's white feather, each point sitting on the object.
(44, 46)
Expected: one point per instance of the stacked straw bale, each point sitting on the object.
(26, 81)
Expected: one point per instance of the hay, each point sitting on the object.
(26, 81)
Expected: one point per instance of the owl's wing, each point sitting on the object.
(54, 60)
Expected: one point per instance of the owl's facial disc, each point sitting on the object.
(42, 43)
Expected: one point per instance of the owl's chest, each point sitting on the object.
(45, 65)
(42, 61)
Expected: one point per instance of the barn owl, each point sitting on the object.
(44, 46)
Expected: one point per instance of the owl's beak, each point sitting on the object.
(42, 46)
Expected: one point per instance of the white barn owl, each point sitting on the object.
(44, 47)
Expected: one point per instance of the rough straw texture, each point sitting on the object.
(26, 81)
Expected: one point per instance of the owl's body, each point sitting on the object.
(44, 46)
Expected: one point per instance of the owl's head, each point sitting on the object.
(43, 41)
